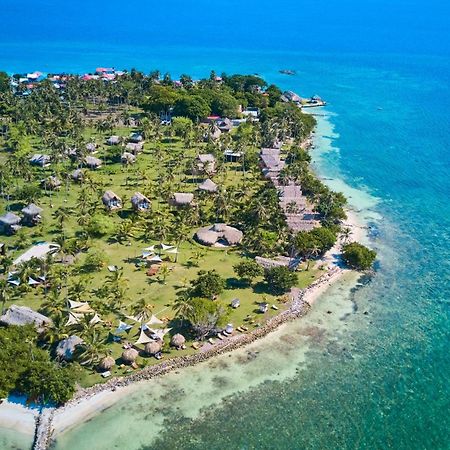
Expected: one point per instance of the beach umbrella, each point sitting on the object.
(153, 347)
(129, 356)
(106, 364)
(178, 340)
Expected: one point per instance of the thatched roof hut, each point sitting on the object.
(92, 162)
(219, 234)
(128, 158)
(225, 124)
(129, 356)
(91, 147)
(53, 183)
(113, 140)
(111, 200)
(22, 315)
(32, 214)
(208, 186)
(205, 163)
(181, 199)
(140, 202)
(106, 364)
(134, 147)
(9, 223)
(78, 175)
(177, 341)
(154, 347)
(66, 347)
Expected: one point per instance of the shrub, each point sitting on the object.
(358, 256)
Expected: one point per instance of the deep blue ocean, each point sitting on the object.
(378, 377)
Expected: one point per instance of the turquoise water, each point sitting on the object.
(369, 367)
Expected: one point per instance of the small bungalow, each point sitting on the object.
(52, 183)
(113, 140)
(253, 112)
(31, 214)
(78, 175)
(208, 186)
(9, 223)
(290, 96)
(134, 147)
(22, 315)
(92, 162)
(263, 307)
(205, 163)
(140, 202)
(181, 199)
(235, 303)
(136, 138)
(127, 158)
(178, 341)
(40, 160)
(219, 235)
(111, 200)
(231, 155)
(214, 133)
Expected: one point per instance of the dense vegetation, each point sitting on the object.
(358, 256)
(170, 115)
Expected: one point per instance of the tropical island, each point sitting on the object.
(146, 220)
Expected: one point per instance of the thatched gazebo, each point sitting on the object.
(154, 347)
(22, 315)
(129, 356)
(9, 223)
(106, 364)
(178, 341)
(113, 140)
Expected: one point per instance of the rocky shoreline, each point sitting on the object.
(297, 308)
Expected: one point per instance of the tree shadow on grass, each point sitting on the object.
(262, 288)
(235, 283)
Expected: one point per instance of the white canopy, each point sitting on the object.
(32, 281)
(73, 318)
(74, 304)
(123, 327)
(160, 333)
(95, 319)
(154, 320)
(14, 282)
(143, 338)
(150, 249)
(174, 250)
(166, 247)
(156, 258)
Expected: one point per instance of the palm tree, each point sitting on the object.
(56, 331)
(346, 234)
(142, 310)
(93, 349)
(182, 307)
(61, 215)
(163, 273)
(54, 305)
(5, 293)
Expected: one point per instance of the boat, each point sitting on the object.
(287, 72)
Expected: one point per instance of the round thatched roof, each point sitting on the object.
(129, 355)
(219, 232)
(206, 236)
(66, 347)
(177, 340)
(106, 363)
(154, 347)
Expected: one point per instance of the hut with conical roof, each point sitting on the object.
(106, 364)
(181, 199)
(9, 223)
(129, 356)
(52, 183)
(128, 158)
(154, 347)
(78, 175)
(92, 162)
(66, 348)
(178, 341)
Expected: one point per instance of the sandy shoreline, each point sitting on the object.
(91, 402)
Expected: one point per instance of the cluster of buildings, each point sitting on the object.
(11, 222)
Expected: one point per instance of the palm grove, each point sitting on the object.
(66, 124)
